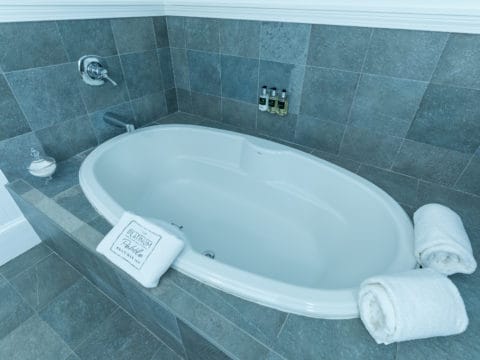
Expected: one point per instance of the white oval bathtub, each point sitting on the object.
(288, 230)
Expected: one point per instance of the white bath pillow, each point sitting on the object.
(142, 249)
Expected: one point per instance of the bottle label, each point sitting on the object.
(281, 105)
(271, 102)
(262, 101)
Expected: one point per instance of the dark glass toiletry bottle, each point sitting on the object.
(283, 103)
(273, 101)
(263, 100)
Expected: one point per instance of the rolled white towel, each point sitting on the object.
(415, 304)
(142, 249)
(441, 242)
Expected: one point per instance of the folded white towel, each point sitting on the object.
(441, 242)
(143, 250)
(415, 304)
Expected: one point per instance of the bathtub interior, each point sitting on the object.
(258, 206)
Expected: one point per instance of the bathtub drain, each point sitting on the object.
(209, 253)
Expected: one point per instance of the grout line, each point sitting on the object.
(420, 102)
(224, 54)
(74, 62)
(152, 333)
(412, 120)
(119, 307)
(59, 337)
(152, 28)
(221, 87)
(234, 309)
(417, 193)
(309, 37)
(154, 356)
(110, 316)
(428, 82)
(303, 69)
(175, 81)
(220, 23)
(221, 316)
(87, 115)
(34, 310)
(394, 158)
(157, 55)
(119, 54)
(37, 295)
(391, 171)
(283, 325)
(80, 94)
(72, 353)
(347, 123)
(184, 30)
(31, 266)
(301, 92)
(258, 75)
(455, 183)
(476, 196)
(417, 180)
(21, 110)
(453, 86)
(62, 41)
(178, 106)
(120, 60)
(201, 333)
(190, 107)
(68, 287)
(225, 97)
(37, 308)
(39, 67)
(361, 71)
(439, 58)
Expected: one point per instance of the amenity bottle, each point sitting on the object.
(273, 101)
(263, 100)
(283, 103)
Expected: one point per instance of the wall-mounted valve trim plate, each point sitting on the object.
(94, 71)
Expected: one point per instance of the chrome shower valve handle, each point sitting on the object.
(106, 77)
(94, 71)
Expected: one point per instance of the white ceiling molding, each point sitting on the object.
(36, 10)
(436, 15)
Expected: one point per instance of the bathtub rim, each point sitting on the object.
(315, 303)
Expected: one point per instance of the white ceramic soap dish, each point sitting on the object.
(42, 167)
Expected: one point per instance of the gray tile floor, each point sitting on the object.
(48, 310)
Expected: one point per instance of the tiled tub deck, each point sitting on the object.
(199, 322)
(49, 311)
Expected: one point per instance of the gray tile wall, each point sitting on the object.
(401, 101)
(398, 107)
(44, 103)
(401, 105)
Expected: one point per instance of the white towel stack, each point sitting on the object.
(412, 305)
(143, 250)
(441, 242)
(422, 303)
